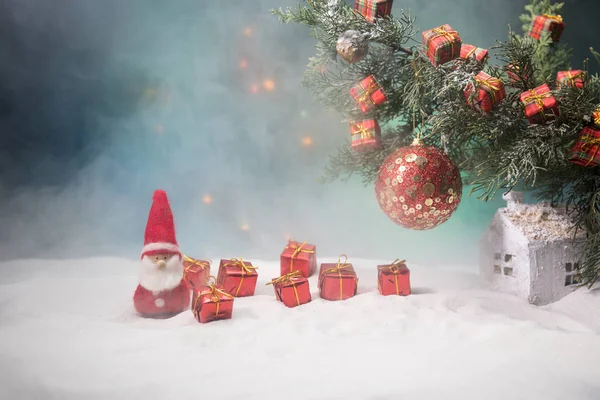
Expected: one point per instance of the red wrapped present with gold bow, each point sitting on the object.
(586, 151)
(547, 23)
(573, 78)
(368, 94)
(489, 92)
(292, 289)
(365, 135)
(393, 279)
(540, 105)
(238, 277)
(195, 271)
(468, 51)
(211, 302)
(337, 281)
(515, 74)
(300, 257)
(373, 9)
(442, 44)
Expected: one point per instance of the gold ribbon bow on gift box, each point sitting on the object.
(338, 269)
(246, 269)
(368, 91)
(214, 293)
(297, 250)
(571, 78)
(360, 129)
(557, 18)
(394, 268)
(285, 279)
(538, 99)
(589, 142)
(596, 116)
(449, 35)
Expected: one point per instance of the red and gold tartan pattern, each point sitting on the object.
(365, 135)
(586, 151)
(470, 51)
(573, 78)
(540, 105)
(368, 94)
(547, 23)
(373, 9)
(513, 73)
(490, 92)
(442, 44)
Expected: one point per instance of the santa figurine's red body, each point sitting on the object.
(161, 292)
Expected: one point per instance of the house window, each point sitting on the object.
(497, 256)
(508, 258)
(572, 276)
(497, 269)
(508, 271)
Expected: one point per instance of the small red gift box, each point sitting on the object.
(540, 105)
(596, 117)
(368, 94)
(195, 271)
(547, 23)
(238, 277)
(393, 279)
(300, 257)
(573, 78)
(373, 9)
(365, 135)
(443, 44)
(211, 303)
(586, 151)
(337, 281)
(515, 75)
(469, 51)
(489, 92)
(292, 289)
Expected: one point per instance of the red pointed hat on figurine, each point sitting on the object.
(162, 291)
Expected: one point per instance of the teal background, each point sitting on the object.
(88, 83)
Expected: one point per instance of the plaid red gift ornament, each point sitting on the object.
(547, 23)
(443, 44)
(238, 277)
(586, 151)
(488, 93)
(573, 78)
(195, 271)
(368, 94)
(365, 135)
(540, 105)
(596, 117)
(393, 279)
(373, 9)
(211, 303)
(514, 73)
(468, 51)
(291, 289)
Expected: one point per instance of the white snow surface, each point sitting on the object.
(68, 330)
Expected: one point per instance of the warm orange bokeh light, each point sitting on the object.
(269, 85)
(248, 31)
(243, 63)
(245, 227)
(254, 89)
(207, 199)
(307, 141)
(160, 129)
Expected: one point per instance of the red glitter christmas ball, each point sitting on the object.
(418, 187)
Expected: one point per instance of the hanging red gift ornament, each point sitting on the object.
(418, 186)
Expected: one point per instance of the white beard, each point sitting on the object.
(157, 280)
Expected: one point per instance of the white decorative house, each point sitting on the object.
(528, 250)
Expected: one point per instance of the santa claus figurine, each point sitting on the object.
(161, 292)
